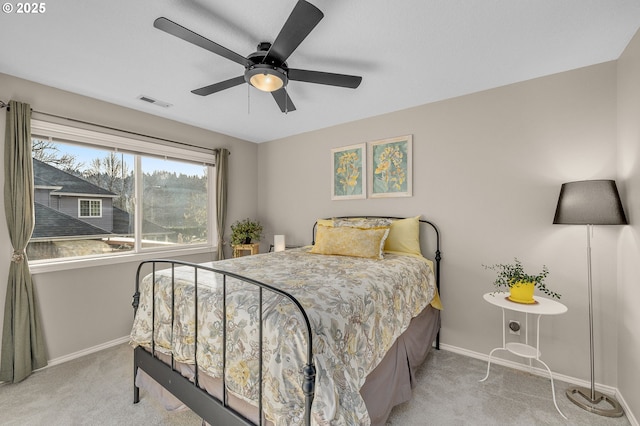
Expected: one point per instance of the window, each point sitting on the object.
(100, 195)
(89, 208)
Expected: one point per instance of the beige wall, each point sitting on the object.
(86, 307)
(629, 245)
(487, 169)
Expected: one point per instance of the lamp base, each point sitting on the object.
(582, 398)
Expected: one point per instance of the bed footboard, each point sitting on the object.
(210, 408)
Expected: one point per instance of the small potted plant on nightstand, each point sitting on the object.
(245, 231)
(520, 284)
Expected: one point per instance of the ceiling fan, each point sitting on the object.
(266, 69)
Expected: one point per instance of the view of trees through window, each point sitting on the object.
(85, 201)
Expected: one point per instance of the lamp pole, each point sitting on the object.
(590, 289)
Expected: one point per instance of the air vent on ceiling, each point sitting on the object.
(154, 101)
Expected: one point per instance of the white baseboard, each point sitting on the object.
(93, 349)
(627, 411)
(542, 372)
(69, 357)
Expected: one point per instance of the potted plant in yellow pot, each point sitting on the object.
(520, 284)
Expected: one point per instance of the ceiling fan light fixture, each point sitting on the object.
(266, 82)
(266, 78)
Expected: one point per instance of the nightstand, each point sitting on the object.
(542, 307)
(240, 250)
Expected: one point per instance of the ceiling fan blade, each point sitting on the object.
(300, 23)
(179, 31)
(319, 77)
(217, 87)
(283, 100)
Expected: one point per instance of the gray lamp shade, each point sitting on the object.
(590, 202)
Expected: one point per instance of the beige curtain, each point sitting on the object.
(222, 177)
(22, 343)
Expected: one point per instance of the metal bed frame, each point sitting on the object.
(210, 408)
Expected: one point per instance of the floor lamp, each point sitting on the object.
(591, 202)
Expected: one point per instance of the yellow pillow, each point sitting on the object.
(348, 241)
(404, 236)
(325, 222)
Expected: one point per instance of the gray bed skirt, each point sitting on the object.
(392, 381)
(388, 385)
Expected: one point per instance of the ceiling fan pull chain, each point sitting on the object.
(248, 99)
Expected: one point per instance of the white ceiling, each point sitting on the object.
(408, 52)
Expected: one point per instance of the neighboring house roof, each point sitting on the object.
(47, 176)
(51, 223)
(122, 224)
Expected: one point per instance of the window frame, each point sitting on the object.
(90, 201)
(138, 146)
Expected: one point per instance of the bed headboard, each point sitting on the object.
(429, 240)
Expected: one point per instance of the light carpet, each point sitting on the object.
(97, 389)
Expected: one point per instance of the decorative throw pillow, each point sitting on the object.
(359, 222)
(350, 241)
(404, 236)
(325, 222)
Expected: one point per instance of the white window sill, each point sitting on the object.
(63, 265)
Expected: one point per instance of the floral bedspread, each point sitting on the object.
(357, 308)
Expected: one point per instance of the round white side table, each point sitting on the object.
(543, 306)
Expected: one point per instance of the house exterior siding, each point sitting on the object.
(69, 205)
(42, 196)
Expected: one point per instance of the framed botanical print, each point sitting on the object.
(349, 172)
(390, 163)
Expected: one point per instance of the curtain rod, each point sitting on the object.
(3, 104)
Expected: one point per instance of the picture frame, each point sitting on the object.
(349, 172)
(391, 167)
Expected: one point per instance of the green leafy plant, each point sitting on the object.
(512, 273)
(246, 230)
